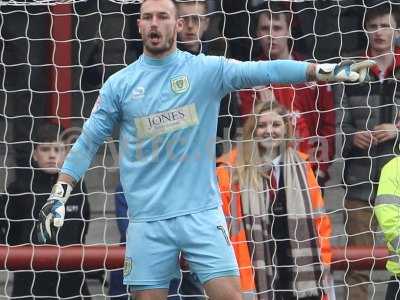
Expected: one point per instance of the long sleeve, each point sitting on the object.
(248, 74)
(227, 75)
(96, 129)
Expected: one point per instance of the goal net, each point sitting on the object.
(56, 55)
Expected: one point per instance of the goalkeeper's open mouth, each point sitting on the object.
(155, 37)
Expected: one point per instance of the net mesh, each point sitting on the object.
(55, 56)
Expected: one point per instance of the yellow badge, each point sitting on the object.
(180, 84)
(127, 266)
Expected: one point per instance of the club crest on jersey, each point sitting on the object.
(127, 266)
(180, 84)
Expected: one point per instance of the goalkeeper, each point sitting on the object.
(166, 104)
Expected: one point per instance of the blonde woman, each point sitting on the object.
(275, 211)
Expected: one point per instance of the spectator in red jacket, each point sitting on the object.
(313, 103)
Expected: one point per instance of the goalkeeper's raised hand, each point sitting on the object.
(344, 71)
(52, 214)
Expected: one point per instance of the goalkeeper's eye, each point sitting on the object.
(146, 17)
(163, 16)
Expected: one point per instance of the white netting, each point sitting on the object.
(54, 58)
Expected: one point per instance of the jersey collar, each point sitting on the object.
(160, 61)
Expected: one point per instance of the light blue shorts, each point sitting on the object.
(153, 248)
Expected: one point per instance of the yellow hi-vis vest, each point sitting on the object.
(387, 211)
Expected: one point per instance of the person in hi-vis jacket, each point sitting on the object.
(387, 212)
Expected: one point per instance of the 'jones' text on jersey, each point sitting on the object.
(167, 121)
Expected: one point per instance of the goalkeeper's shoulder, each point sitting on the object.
(124, 75)
(120, 81)
(201, 61)
(125, 72)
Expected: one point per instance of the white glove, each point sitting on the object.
(344, 71)
(52, 214)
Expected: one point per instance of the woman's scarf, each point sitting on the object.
(307, 267)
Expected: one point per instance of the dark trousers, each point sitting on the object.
(393, 289)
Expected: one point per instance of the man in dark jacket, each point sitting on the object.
(21, 205)
(371, 127)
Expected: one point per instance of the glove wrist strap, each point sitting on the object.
(61, 191)
(324, 72)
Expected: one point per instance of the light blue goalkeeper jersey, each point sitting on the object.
(167, 111)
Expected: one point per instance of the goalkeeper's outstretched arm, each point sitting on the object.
(235, 75)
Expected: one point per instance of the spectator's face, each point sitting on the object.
(270, 130)
(194, 24)
(158, 26)
(49, 157)
(273, 35)
(381, 33)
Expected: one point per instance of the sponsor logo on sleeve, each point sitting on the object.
(167, 121)
(180, 84)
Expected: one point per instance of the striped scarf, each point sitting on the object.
(307, 268)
